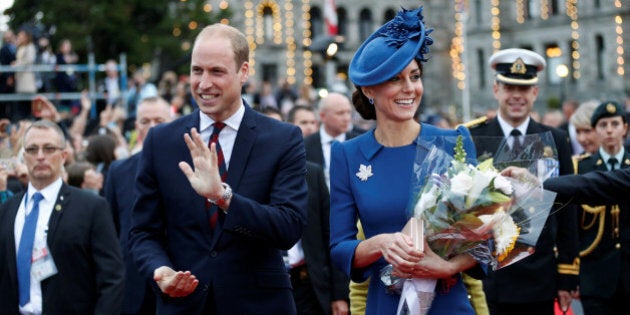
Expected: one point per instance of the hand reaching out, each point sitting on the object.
(44, 109)
(175, 283)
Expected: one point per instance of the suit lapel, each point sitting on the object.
(10, 226)
(245, 139)
(58, 209)
(319, 150)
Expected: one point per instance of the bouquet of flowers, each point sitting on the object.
(461, 208)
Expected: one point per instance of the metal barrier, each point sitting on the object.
(91, 68)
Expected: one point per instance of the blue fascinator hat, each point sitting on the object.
(390, 49)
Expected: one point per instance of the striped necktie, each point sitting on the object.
(214, 138)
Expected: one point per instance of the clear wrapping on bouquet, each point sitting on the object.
(471, 208)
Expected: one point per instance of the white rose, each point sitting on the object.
(461, 184)
(501, 183)
(481, 180)
(426, 201)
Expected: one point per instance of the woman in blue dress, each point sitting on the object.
(371, 174)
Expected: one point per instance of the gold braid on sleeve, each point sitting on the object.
(570, 269)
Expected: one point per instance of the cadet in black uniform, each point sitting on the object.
(605, 230)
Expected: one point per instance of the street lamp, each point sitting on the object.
(562, 71)
(327, 46)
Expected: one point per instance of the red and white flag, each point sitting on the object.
(330, 17)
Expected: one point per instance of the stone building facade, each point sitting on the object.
(590, 38)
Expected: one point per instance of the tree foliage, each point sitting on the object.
(145, 30)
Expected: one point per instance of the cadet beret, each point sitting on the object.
(390, 49)
(517, 66)
(607, 109)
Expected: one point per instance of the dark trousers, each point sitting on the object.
(618, 304)
(304, 295)
(538, 308)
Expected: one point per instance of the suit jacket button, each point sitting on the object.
(205, 288)
(617, 246)
(213, 254)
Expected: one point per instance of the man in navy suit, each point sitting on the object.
(214, 246)
(74, 260)
(335, 114)
(120, 193)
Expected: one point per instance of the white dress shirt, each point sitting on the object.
(327, 141)
(46, 205)
(227, 137)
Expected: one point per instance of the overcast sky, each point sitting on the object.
(4, 4)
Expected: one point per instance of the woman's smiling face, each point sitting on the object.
(399, 97)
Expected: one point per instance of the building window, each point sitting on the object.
(270, 72)
(481, 60)
(365, 24)
(600, 53)
(478, 12)
(342, 21)
(554, 53)
(268, 23)
(317, 24)
(555, 7)
(389, 14)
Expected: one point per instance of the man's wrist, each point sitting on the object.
(225, 197)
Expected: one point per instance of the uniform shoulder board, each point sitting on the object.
(475, 122)
(582, 156)
(577, 159)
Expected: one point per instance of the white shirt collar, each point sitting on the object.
(507, 128)
(327, 139)
(233, 121)
(619, 156)
(49, 192)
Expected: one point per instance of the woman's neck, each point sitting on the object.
(396, 134)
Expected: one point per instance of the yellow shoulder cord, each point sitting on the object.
(596, 211)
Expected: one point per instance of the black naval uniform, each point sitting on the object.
(529, 286)
(605, 248)
(603, 187)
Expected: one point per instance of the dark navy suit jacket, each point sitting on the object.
(120, 193)
(82, 241)
(602, 187)
(239, 265)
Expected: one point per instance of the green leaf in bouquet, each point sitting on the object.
(486, 165)
(498, 197)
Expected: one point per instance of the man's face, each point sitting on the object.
(515, 101)
(44, 156)
(215, 77)
(611, 132)
(150, 115)
(336, 116)
(306, 120)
